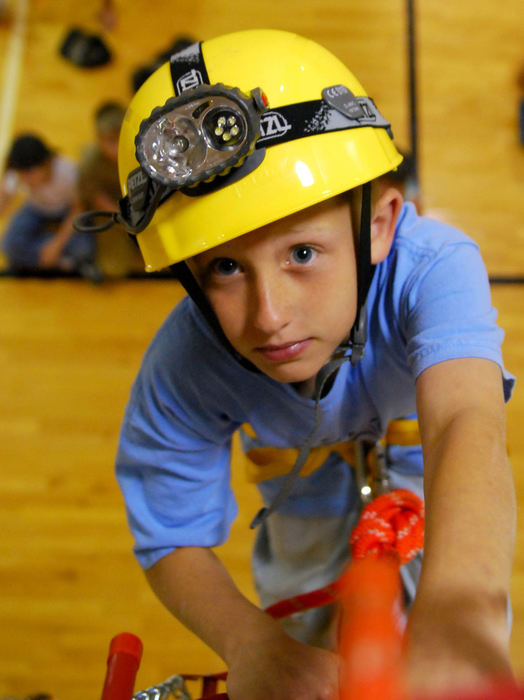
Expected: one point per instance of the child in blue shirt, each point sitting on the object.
(320, 308)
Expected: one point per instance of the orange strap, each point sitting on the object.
(263, 463)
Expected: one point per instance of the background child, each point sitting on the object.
(40, 235)
(99, 188)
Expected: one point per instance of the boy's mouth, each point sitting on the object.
(284, 352)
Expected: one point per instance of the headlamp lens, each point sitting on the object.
(173, 147)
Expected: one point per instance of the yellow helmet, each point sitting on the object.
(292, 125)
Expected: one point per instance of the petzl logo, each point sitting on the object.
(189, 80)
(273, 125)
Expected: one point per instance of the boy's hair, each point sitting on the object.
(109, 117)
(28, 151)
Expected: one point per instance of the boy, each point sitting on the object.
(99, 188)
(40, 234)
(290, 258)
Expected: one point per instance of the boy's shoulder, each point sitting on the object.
(429, 260)
(426, 235)
(422, 244)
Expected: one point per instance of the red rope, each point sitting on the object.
(371, 628)
(389, 533)
(393, 522)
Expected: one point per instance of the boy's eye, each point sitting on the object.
(302, 254)
(224, 266)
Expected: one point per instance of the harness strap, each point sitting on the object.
(262, 463)
(322, 377)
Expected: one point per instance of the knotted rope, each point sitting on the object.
(392, 523)
(389, 533)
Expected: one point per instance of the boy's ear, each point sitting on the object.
(384, 219)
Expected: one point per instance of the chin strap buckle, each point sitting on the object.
(358, 336)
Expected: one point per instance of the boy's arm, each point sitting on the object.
(262, 660)
(52, 250)
(458, 627)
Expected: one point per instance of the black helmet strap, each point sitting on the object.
(365, 272)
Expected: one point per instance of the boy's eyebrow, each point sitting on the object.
(199, 266)
(193, 262)
(312, 229)
(202, 259)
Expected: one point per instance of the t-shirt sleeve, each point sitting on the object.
(174, 475)
(449, 314)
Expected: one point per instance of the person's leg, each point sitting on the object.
(80, 248)
(79, 256)
(294, 555)
(24, 237)
(307, 547)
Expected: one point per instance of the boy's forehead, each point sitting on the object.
(325, 217)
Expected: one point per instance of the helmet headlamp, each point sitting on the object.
(198, 135)
(209, 136)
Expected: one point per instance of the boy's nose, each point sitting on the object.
(270, 305)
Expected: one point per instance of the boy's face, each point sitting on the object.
(285, 294)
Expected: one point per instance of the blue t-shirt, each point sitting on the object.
(429, 302)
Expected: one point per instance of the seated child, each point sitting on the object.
(40, 234)
(99, 188)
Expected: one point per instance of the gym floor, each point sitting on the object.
(69, 349)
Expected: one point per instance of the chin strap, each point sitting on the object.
(353, 351)
(365, 271)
